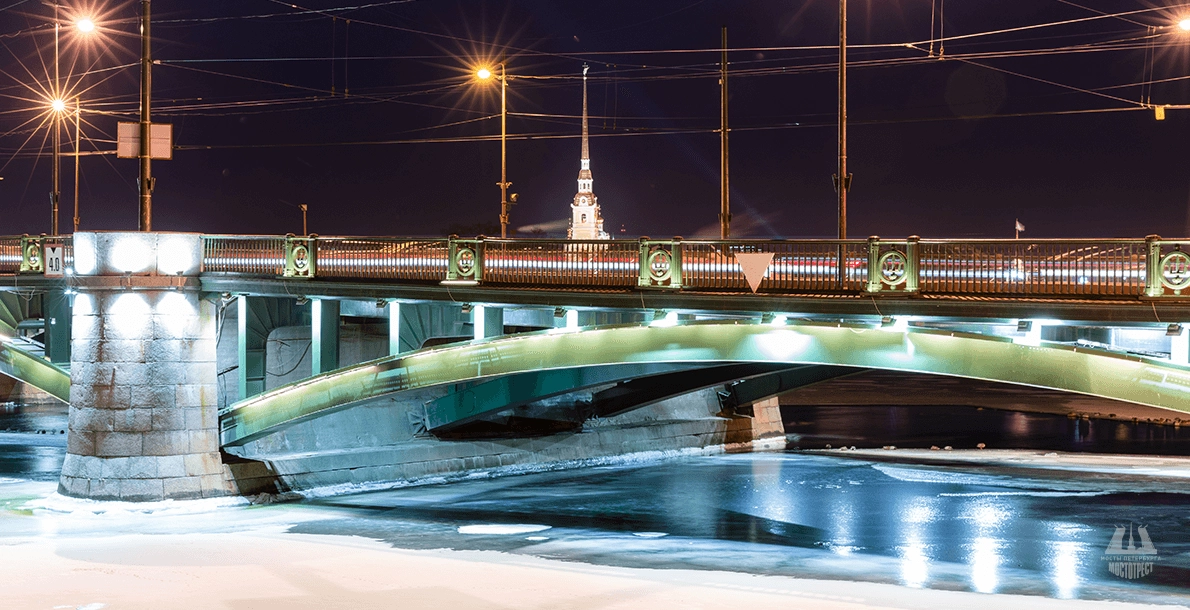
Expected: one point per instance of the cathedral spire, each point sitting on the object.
(586, 151)
(586, 221)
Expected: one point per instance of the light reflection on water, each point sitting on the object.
(802, 515)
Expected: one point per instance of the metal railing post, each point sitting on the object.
(644, 279)
(301, 254)
(32, 256)
(874, 283)
(675, 273)
(1153, 287)
(912, 263)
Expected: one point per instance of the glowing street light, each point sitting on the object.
(1185, 25)
(58, 105)
(486, 74)
(85, 25)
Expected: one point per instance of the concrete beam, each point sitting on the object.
(251, 339)
(487, 321)
(324, 336)
(57, 311)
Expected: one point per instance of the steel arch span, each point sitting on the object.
(35, 371)
(518, 368)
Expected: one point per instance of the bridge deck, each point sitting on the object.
(1114, 280)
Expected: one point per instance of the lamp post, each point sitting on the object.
(146, 85)
(842, 179)
(58, 106)
(485, 74)
(78, 112)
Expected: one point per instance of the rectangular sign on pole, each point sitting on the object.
(161, 144)
(54, 255)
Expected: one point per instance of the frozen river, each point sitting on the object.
(809, 515)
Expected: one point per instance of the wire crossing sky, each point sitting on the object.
(964, 116)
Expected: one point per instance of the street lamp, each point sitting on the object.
(486, 74)
(58, 105)
(842, 179)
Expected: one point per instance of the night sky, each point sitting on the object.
(368, 113)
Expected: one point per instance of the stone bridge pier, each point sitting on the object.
(143, 415)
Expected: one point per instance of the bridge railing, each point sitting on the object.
(416, 259)
(1033, 267)
(1127, 268)
(597, 263)
(796, 266)
(1150, 267)
(263, 255)
(26, 253)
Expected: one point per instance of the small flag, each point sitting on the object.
(1019, 226)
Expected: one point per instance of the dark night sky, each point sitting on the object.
(931, 147)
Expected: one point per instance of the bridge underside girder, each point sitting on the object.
(1129, 378)
(542, 402)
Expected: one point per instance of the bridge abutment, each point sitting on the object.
(143, 420)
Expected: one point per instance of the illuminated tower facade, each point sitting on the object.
(586, 222)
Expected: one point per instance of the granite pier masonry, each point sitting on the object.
(143, 413)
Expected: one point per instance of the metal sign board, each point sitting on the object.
(161, 141)
(54, 260)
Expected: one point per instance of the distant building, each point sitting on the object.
(586, 222)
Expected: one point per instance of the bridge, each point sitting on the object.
(432, 355)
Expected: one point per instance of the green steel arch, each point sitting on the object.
(1145, 381)
(21, 365)
(35, 371)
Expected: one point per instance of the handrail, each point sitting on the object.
(1151, 267)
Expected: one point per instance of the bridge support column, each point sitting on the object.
(251, 340)
(764, 422)
(394, 328)
(324, 336)
(1179, 347)
(488, 321)
(57, 326)
(143, 406)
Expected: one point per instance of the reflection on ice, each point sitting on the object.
(914, 564)
(985, 562)
(1066, 568)
(502, 529)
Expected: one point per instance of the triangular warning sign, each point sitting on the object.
(754, 266)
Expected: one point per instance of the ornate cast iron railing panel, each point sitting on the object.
(1033, 267)
(245, 254)
(797, 266)
(545, 262)
(413, 259)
